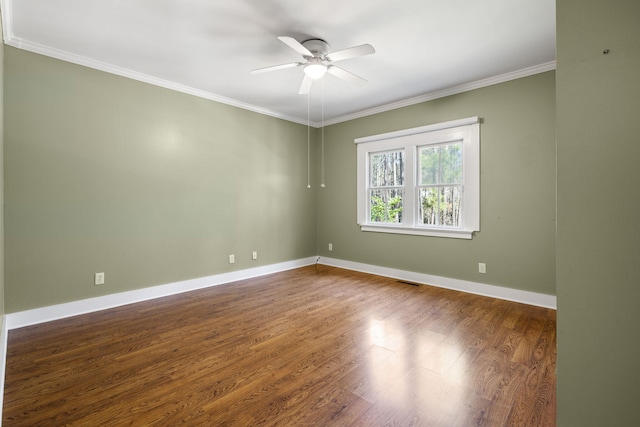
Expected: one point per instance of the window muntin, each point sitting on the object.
(436, 192)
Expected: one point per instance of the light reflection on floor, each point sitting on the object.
(424, 372)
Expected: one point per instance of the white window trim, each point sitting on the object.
(466, 130)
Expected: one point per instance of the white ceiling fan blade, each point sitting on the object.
(346, 75)
(305, 87)
(276, 67)
(352, 52)
(295, 45)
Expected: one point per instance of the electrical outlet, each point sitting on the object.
(232, 259)
(482, 267)
(98, 279)
(330, 247)
(254, 255)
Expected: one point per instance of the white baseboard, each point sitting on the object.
(74, 308)
(509, 294)
(3, 362)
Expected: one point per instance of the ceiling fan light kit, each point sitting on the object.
(315, 70)
(318, 61)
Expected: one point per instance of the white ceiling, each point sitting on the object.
(424, 48)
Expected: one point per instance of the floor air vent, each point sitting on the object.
(408, 283)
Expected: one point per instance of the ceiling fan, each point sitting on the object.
(318, 61)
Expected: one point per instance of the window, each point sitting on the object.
(423, 181)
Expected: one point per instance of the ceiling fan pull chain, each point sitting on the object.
(308, 142)
(322, 143)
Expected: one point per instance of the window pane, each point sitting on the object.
(429, 165)
(441, 164)
(451, 164)
(440, 206)
(429, 206)
(387, 169)
(386, 206)
(450, 206)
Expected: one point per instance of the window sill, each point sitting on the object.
(432, 232)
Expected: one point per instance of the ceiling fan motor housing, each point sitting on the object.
(318, 47)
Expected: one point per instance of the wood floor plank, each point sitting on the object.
(307, 347)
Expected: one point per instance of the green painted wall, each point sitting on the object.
(150, 186)
(598, 268)
(517, 237)
(153, 186)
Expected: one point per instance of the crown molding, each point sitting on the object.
(502, 78)
(7, 24)
(134, 75)
(19, 43)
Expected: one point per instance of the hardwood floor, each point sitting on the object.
(315, 346)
